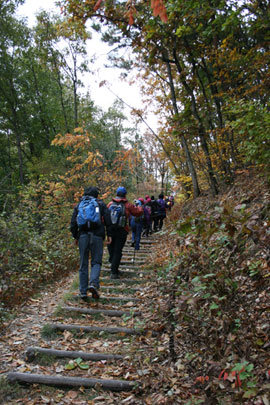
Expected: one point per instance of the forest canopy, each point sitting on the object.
(203, 68)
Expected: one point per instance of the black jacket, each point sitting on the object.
(99, 231)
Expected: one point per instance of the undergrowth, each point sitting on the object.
(215, 276)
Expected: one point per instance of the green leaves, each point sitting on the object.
(72, 364)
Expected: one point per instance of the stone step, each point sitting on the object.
(60, 381)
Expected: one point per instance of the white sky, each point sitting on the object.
(101, 95)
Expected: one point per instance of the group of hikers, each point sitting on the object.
(154, 213)
(92, 220)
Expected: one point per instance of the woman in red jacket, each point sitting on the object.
(121, 210)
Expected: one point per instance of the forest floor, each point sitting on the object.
(202, 289)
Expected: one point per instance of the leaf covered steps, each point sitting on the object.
(34, 353)
(60, 381)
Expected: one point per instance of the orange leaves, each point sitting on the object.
(202, 379)
(131, 11)
(233, 376)
(97, 5)
(159, 9)
(130, 15)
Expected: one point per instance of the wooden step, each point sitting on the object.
(108, 298)
(109, 312)
(89, 329)
(124, 273)
(60, 381)
(123, 267)
(119, 288)
(33, 352)
(121, 280)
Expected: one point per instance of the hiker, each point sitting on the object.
(136, 224)
(89, 232)
(120, 211)
(171, 199)
(154, 214)
(161, 211)
(147, 217)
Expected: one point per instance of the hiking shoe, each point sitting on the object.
(94, 292)
(132, 244)
(114, 276)
(83, 296)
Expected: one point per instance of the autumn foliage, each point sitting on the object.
(158, 7)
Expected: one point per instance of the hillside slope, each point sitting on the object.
(212, 299)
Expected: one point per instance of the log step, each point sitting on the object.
(131, 250)
(109, 298)
(89, 329)
(144, 242)
(125, 299)
(119, 287)
(130, 262)
(122, 280)
(33, 352)
(123, 271)
(123, 267)
(110, 312)
(57, 381)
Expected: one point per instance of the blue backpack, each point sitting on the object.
(88, 213)
(118, 214)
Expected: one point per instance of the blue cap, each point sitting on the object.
(121, 190)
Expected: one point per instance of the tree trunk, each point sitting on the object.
(213, 181)
(184, 144)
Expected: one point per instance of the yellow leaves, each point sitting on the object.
(78, 130)
(81, 139)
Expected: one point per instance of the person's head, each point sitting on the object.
(91, 191)
(147, 197)
(121, 192)
(152, 197)
(161, 196)
(141, 200)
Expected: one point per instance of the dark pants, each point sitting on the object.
(160, 220)
(115, 248)
(136, 228)
(89, 243)
(156, 223)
